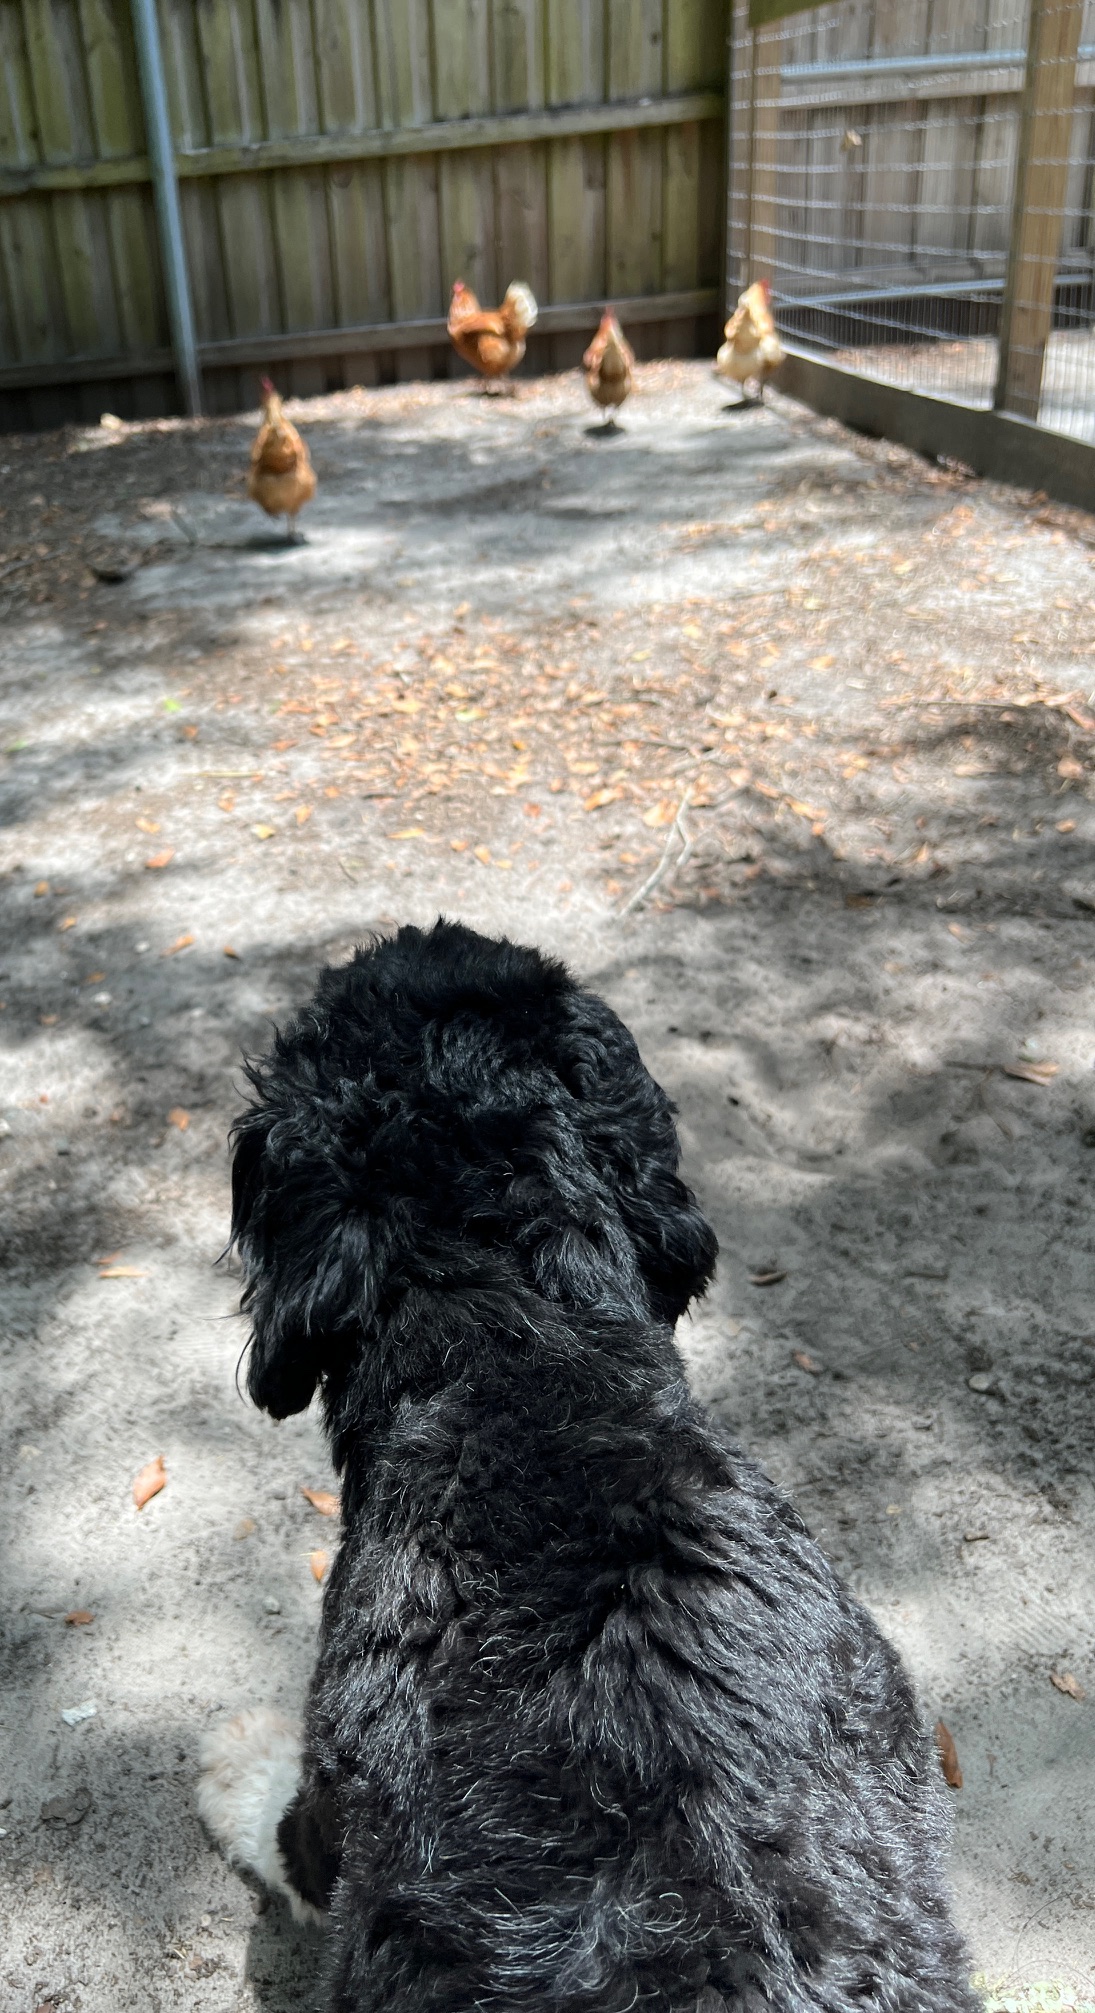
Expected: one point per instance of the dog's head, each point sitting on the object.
(450, 1107)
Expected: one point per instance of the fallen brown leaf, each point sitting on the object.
(264, 831)
(178, 1117)
(948, 1755)
(79, 1618)
(302, 813)
(158, 860)
(319, 1563)
(1068, 766)
(182, 943)
(229, 952)
(149, 825)
(662, 813)
(806, 1363)
(67, 923)
(123, 1272)
(323, 1500)
(1064, 1681)
(246, 1528)
(1033, 1072)
(600, 798)
(149, 1482)
(766, 1278)
(41, 887)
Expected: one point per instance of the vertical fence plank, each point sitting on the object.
(575, 31)
(405, 84)
(184, 72)
(519, 173)
(344, 66)
(576, 220)
(517, 55)
(465, 184)
(695, 45)
(575, 168)
(242, 219)
(520, 198)
(18, 133)
(135, 258)
(359, 249)
(1041, 181)
(635, 57)
(58, 80)
(403, 69)
(29, 257)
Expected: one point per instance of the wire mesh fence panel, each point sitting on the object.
(920, 194)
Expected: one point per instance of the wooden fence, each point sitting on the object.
(340, 162)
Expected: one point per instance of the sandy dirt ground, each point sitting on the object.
(508, 654)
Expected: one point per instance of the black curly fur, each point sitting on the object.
(594, 1724)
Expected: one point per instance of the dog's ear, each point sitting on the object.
(675, 1245)
(311, 1257)
(627, 1121)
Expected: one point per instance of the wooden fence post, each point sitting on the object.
(762, 243)
(1041, 184)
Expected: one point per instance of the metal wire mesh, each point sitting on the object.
(920, 199)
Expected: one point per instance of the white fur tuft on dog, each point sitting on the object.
(250, 1775)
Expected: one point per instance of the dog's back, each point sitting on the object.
(594, 1725)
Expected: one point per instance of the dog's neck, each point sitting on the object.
(490, 1351)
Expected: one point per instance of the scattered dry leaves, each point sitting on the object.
(319, 1562)
(158, 860)
(152, 1478)
(1033, 1072)
(182, 943)
(323, 1500)
(1065, 1682)
(948, 1755)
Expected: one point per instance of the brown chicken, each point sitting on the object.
(608, 362)
(491, 339)
(282, 479)
(752, 349)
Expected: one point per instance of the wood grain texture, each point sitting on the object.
(340, 163)
(1041, 184)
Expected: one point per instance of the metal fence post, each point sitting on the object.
(761, 230)
(161, 153)
(1041, 186)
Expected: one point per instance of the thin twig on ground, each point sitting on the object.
(665, 865)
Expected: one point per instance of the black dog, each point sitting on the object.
(594, 1725)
